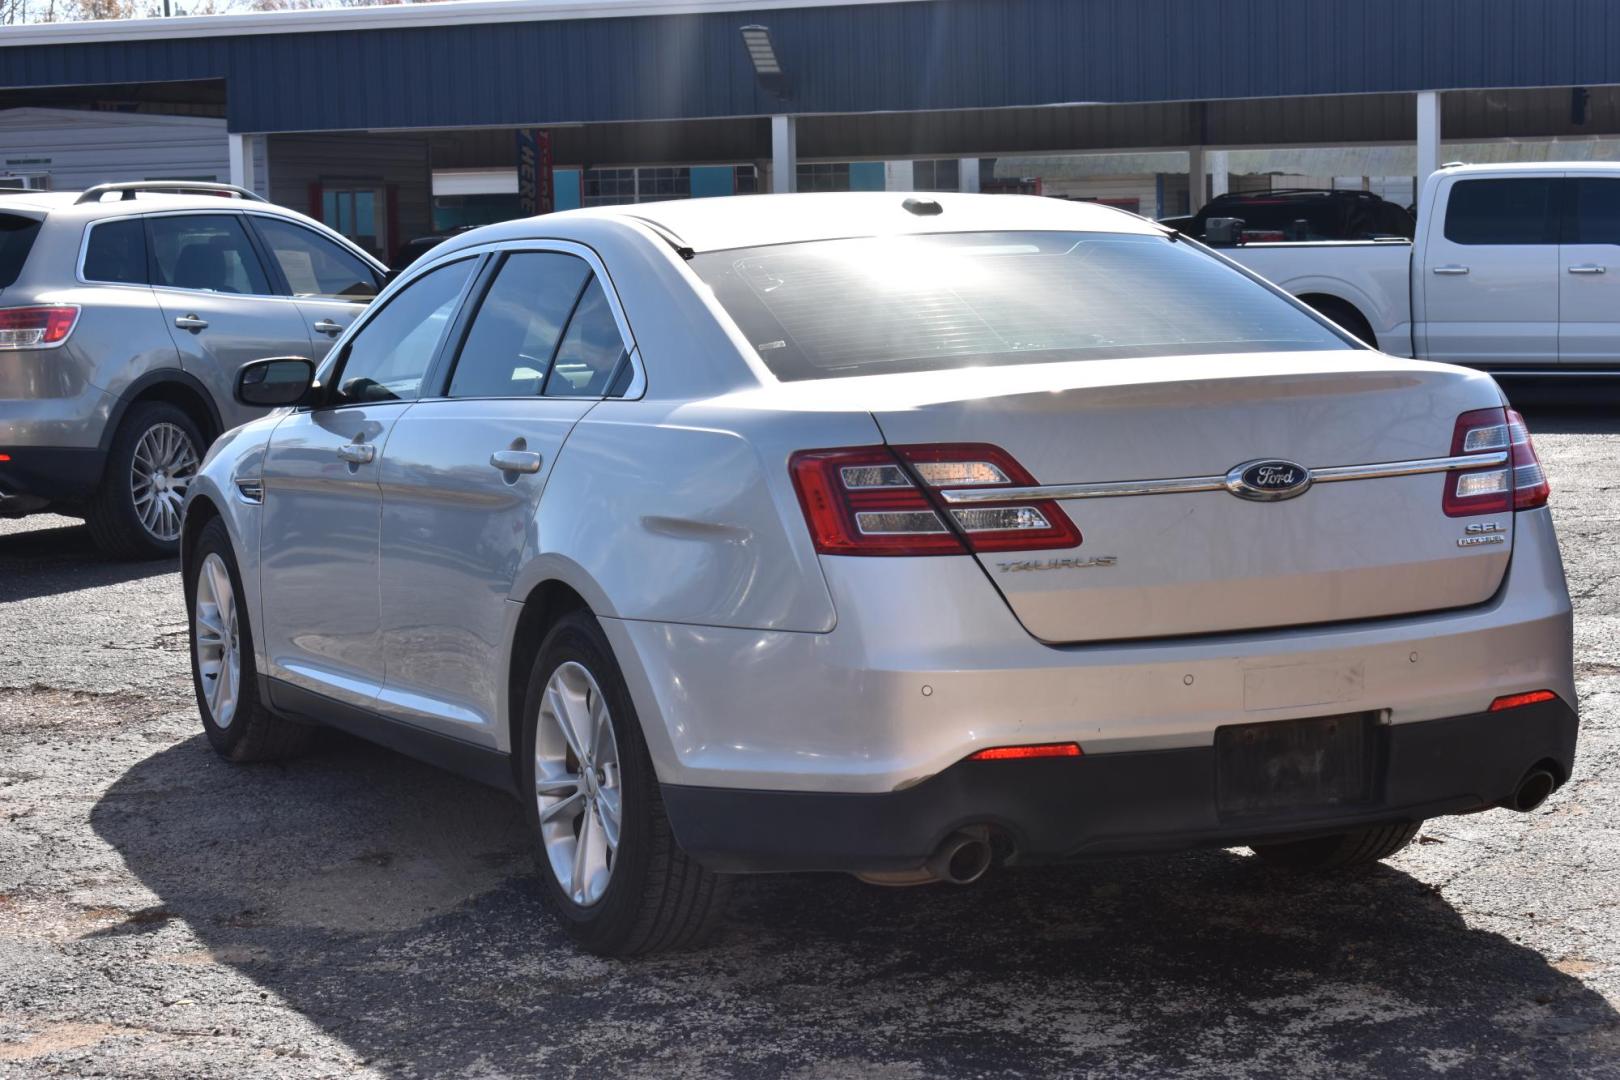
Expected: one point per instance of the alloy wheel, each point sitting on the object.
(577, 783)
(164, 463)
(218, 640)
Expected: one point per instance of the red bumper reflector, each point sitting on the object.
(5, 457)
(1012, 753)
(1514, 701)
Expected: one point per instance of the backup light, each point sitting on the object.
(1520, 484)
(36, 327)
(1515, 701)
(1024, 753)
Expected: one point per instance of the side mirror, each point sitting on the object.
(1223, 231)
(276, 382)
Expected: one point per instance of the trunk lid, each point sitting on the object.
(1179, 563)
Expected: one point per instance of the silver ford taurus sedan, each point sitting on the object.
(896, 536)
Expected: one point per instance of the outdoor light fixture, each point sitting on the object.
(762, 54)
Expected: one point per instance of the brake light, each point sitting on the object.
(863, 501)
(1023, 753)
(32, 327)
(1514, 701)
(1519, 484)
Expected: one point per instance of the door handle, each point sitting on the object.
(1589, 268)
(1451, 269)
(327, 326)
(357, 453)
(516, 461)
(191, 322)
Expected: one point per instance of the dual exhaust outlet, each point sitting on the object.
(965, 855)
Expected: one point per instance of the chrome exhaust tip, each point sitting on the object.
(963, 858)
(1532, 791)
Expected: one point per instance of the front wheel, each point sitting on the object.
(238, 724)
(1336, 852)
(609, 859)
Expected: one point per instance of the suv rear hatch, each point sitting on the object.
(1175, 561)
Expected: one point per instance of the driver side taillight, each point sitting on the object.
(864, 501)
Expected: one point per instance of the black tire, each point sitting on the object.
(115, 524)
(1346, 316)
(253, 732)
(657, 899)
(1344, 850)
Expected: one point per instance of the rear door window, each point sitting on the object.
(17, 235)
(116, 252)
(592, 350)
(509, 348)
(312, 265)
(207, 252)
(1516, 211)
(1594, 211)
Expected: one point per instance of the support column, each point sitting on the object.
(240, 152)
(1218, 170)
(784, 154)
(1428, 138)
(1195, 179)
(967, 174)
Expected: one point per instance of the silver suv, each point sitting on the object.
(125, 312)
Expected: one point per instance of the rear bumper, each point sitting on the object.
(39, 475)
(1121, 803)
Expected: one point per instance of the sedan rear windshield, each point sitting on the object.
(868, 306)
(16, 241)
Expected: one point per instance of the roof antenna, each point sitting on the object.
(923, 207)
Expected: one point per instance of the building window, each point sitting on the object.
(824, 176)
(608, 187)
(942, 175)
(745, 180)
(613, 187)
(361, 214)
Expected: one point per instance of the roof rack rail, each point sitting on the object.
(173, 187)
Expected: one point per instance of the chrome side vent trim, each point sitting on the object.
(250, 491)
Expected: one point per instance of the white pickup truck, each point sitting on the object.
(1515, 269)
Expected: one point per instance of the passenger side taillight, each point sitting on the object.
(36, 327)
(1519, 484)
(864, 501)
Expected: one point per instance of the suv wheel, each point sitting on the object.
(610, 862)
(155, 454)
(238, 724)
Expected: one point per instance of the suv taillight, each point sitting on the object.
(35, 327)
(863, 501)
(1520, 484)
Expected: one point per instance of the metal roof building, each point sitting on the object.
(653, 82)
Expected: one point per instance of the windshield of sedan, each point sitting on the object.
(873, 305)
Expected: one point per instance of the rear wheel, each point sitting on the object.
(1345, 315)
(607, 854)
(1356, 848)
(238, 724)
(154, 457)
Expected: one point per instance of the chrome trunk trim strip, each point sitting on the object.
(1119, 488)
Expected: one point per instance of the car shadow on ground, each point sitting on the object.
(45, 561)
(397, 908)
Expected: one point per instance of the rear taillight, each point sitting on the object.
(863, 501)
(1518, 484)
(35, 327)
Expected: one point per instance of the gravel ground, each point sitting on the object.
(355, 913)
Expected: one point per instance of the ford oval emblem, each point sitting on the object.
(1268, 480)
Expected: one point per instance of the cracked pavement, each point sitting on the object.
(354, 913)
